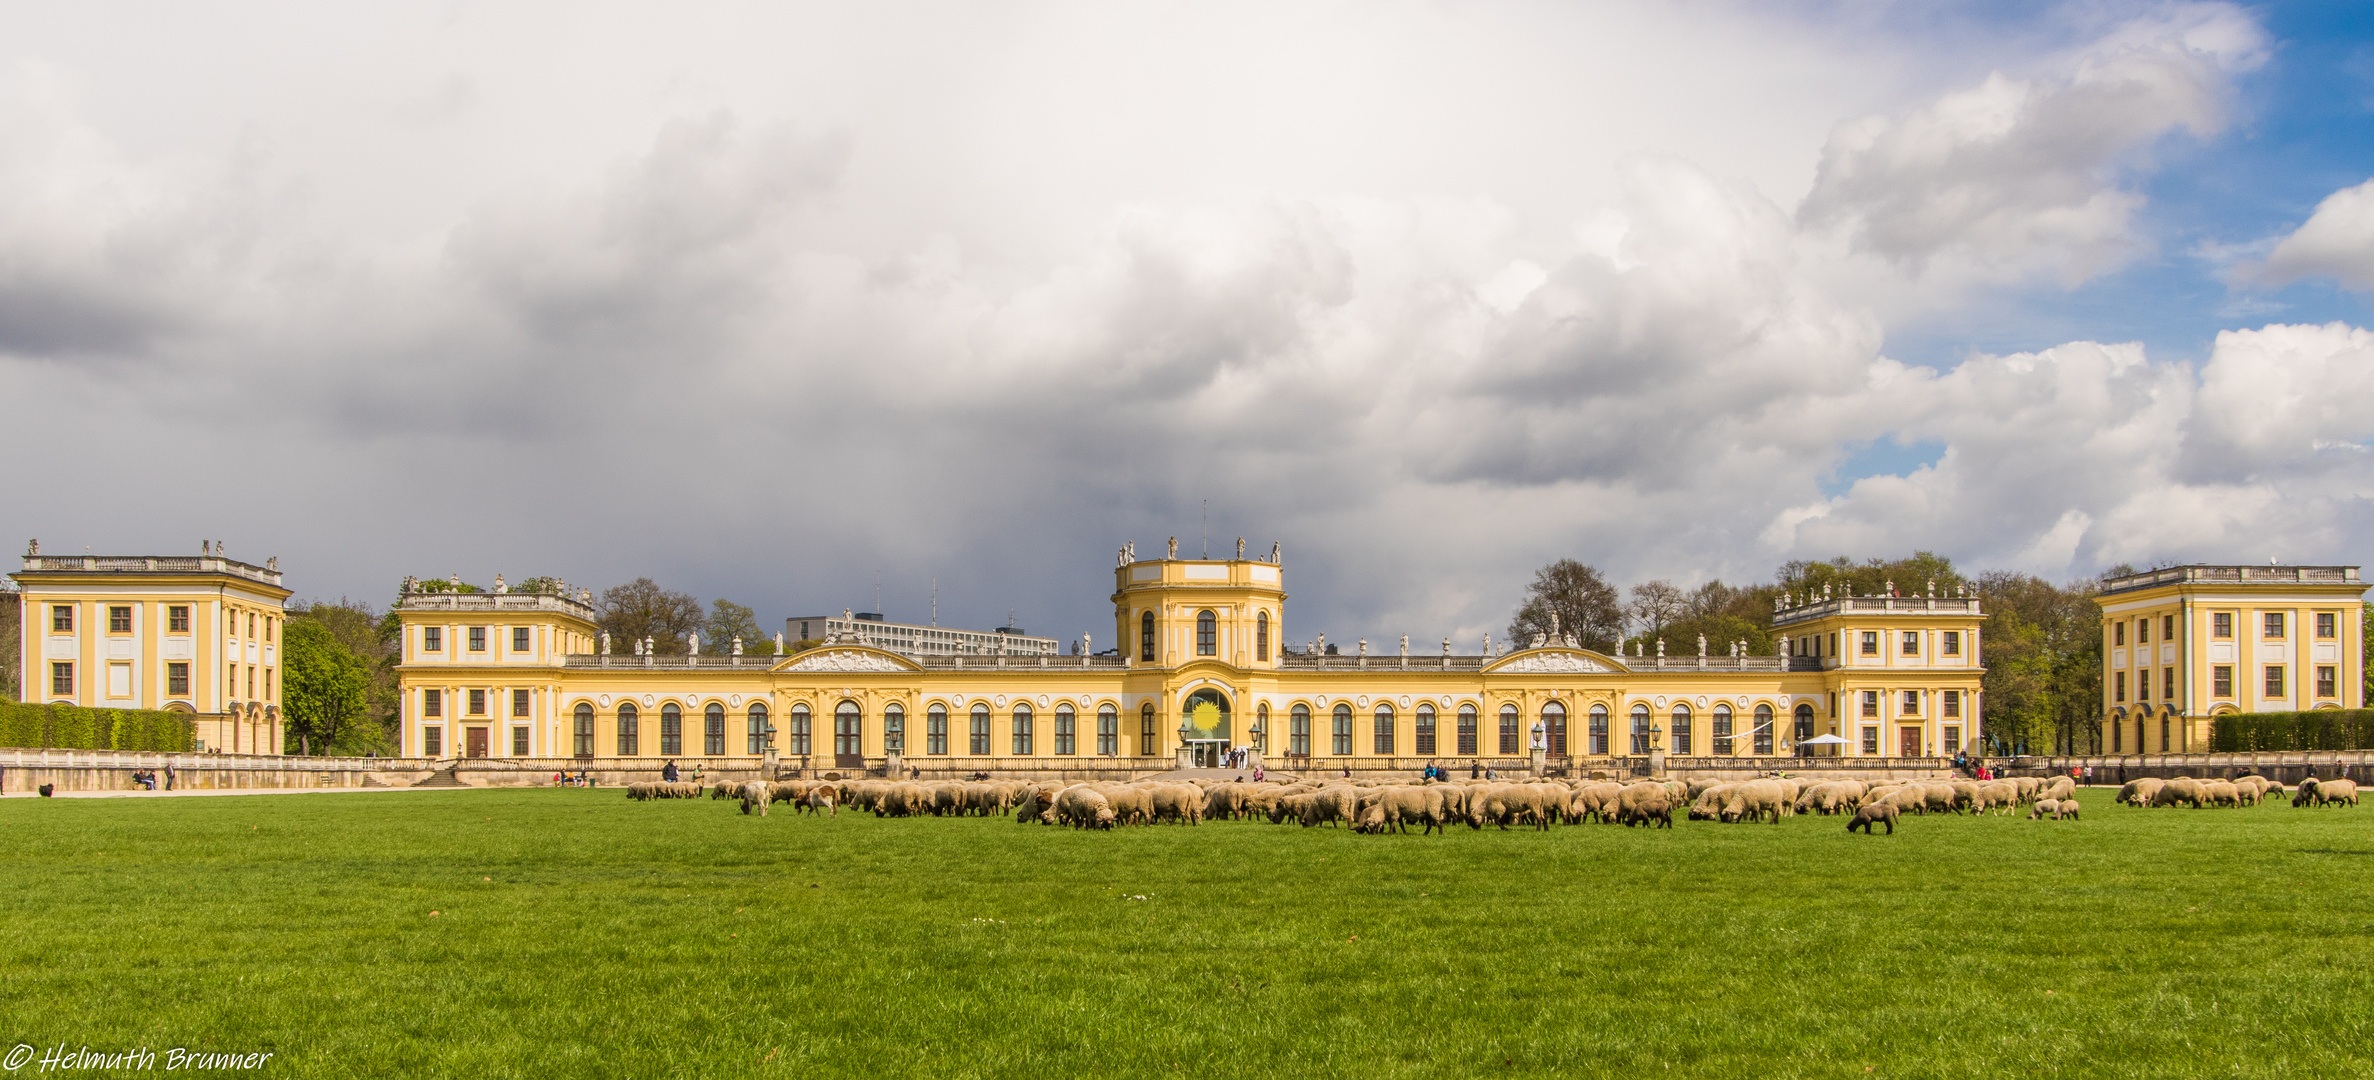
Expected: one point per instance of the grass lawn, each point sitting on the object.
(578, 934)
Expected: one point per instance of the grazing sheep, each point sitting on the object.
(2000, 796)
(2315, 792)
(1874, 813)
(758, 795)
(2220, 793)
(726, 789)
(2141, 792)
(1708, 806)
(1754, 799)
(2029, 787)
(2182, 789)
(1908, 797)
(1596, 801)
(1646, 804)
(822, 799)
(2060, 787)
(1180, 804)
(2044, 808)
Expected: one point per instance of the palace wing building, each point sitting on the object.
(1200, 669)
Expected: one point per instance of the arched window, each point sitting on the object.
(1146, 637)
(1207, 634)
(1022, 732)
(1722, 731)
(585, 729)
(801, 732)
(1343, 730)
(1149, 740)
(1384, 731)
(849, 744)
(935, 729)
(894, 729)
(1677, 737)
(1640, 729)
(713, 728)
(1598, 731)
(630, 721)
(1762, 743)
(1063, 728)
(1467, 731)
(980, 733)
(1508, 731)
(671, 730)
(1425, 732)
(1261, 636)
(1261, 727)
(1108, 730)
(1553, 728)
(1298, 731)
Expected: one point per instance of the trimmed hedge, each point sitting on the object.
(71, 727)
(2323, 729)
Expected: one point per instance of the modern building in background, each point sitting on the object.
(198, 635)
(2184, 644)
(908, 639)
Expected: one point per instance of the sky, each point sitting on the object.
(803, 305)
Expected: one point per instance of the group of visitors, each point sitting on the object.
(563, 779)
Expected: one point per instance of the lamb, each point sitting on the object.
(2045, 808)
(1754, 799)
(1646, 804)
(1874, 813)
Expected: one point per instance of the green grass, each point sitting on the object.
(579, 934)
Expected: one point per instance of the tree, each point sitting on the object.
(324, 688)
(1568, 600)
(729, 620)
(641, 609)
(1654, 603)
(11, 608)
(1720, 613)
(2042, 647)
(372, 638)
(1871, 577)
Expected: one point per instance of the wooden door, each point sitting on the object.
(477, 739)
(1909, 742)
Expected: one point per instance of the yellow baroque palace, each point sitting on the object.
(1201, 669)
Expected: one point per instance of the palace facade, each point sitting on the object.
(2185, 644)
(1200, 668)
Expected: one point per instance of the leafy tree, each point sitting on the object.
(729, 620)
(325, 689)
(445, 585)
(372, 637)
(11, 609)
(1721, 613)
(640, 609)
(1571, 601)
(2042, 647)
(1654, 604)
(1871, 577)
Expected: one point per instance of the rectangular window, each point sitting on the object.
(1064, 734)
(432, 703)
(177, 679)
(2274, 624)
(519, 701)
(981, 732)
(521, 639)
(478, 703)
(2327, 680)
(935, 733)
(584, 731)
(1148, 743)
(2221, 681)
(1384, 734)
(2143, 685)
(1425, 733)
(2326, 623)
(1953, 740)
(1912, 643)
(1598, 731)
(1508, 731)
(1722, 732)
(177, 619)
(2118, 632)
(1911, 705)
(2168, 684)
(2167, 628)
(61, 619)
(1024, 736)
(1108, 732)
(478, 639)
(630, 733)
(1871, 643)
(2118, 686)
(432, 639)
(1298, 733)
(671, 732)
(2221, 624)
(2143, 630)
(1950, 643)
(1871, 740)
(1953, 703)
(2274, 681)
(1467, 731)
(519, 741)
(432, 742)
(119, 619)
(61, 679)
(1761, 743)
(1871, 703)
(251, 682)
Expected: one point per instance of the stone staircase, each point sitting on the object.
(442, 778)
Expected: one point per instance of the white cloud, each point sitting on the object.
(2337, 241)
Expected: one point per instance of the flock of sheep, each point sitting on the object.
(2240, 791)
(1376, 806)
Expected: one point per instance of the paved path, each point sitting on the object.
(180, 792)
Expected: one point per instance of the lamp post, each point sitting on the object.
(1656, 749)
(768, 733)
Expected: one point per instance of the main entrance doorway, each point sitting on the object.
(1909, 742)
(477, 742)
(1209, 753)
